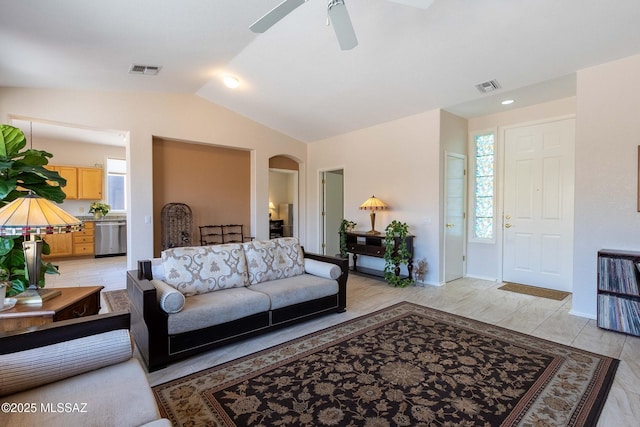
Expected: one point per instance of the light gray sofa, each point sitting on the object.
(196, 298)
(75, 373)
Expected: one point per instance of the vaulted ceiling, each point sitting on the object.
(294, 78)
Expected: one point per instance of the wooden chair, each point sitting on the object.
(233, 233)
(220, 234)
(211, 235)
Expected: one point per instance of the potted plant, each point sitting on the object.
(345, 227)
(99, 209)
(396, 253)
(23, 172)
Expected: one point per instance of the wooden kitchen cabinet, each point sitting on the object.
(61, 244)
(69, 173)
(83, 240)
(82, 183)
(89, 184)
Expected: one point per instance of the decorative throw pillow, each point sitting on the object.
(170, 299)
(273, 259)
(37, 366)
(322, 269)
(197, 270)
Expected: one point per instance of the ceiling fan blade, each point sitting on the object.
(421, 4)
(342, 25)
(274, 15)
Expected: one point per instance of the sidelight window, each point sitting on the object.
(483, 210)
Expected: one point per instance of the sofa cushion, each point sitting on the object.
(170, 299)
(273, 259)
(197, 270)
(117, 395)
(294, 290)
(31, 368)
(322, 269)
(214, 308)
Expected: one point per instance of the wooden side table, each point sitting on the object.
(71, 303)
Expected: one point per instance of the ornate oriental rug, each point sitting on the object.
(116, 300)
(406, 365)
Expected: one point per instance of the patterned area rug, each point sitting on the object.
(116, 300)
(535, 291)
(406, 365)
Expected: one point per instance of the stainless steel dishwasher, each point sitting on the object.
(110, 238)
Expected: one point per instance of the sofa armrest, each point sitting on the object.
(343, 263)
(65, 330)
(149, 324)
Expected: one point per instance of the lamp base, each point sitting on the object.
(35, 296)
(372, 232)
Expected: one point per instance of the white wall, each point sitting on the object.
(399, 162)
(483, 259)
(144, 115)
(607, 139)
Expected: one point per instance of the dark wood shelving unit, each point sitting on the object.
(618, 291)
(373, 245)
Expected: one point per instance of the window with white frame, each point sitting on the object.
(116, 182)
(483, 198)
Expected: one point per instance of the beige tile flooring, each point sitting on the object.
(476, 299)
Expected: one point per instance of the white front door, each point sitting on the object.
(454, 216)
(538, 205)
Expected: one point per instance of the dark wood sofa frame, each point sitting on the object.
(149, 323)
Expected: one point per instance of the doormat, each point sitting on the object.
(116, 300)
(405, 365)
(535, 291)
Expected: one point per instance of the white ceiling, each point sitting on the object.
(294, 78)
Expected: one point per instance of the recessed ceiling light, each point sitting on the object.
(507, 102)
(231, 82)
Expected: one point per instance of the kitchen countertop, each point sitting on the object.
(87, 218)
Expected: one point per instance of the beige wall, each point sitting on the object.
(213, 181)
(141, 116)
(399, 162)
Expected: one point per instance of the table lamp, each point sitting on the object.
(28, 216)
(373, 204)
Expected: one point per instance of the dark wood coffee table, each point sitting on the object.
(71, 303)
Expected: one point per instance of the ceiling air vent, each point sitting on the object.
(489, 86)
(148, 70)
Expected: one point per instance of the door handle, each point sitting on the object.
(507, 226)
(449, 225)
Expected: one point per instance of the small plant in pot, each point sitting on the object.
(345, 227)
(99, 209)
(396, 254)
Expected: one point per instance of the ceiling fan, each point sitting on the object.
(337, 15)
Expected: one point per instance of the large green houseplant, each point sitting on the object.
(396, 253)
(22, 172)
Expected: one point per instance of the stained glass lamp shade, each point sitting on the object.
(28, 216)
(373, 204)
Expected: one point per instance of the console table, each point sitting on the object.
(71, 303)
(373, 245)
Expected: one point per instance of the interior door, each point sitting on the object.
(332, 210)
(454, 236)
(538, 205)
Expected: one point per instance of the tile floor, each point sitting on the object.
(476, 299)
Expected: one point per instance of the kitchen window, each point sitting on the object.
(116, 184)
